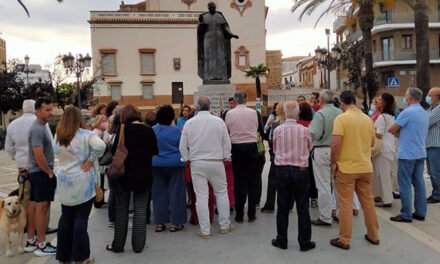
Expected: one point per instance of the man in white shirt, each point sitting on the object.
(17, 147)
(205, 144)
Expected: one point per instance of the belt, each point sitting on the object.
(321, 146)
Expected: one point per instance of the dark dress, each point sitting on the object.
(141, 144)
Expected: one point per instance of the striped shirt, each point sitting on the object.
(433, 138)
(292, 144)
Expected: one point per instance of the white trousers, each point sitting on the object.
(213, 172)
(323, 179)
(382, 182)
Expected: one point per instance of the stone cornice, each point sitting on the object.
(156, 17)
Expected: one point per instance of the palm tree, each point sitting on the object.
(421, 26)
(256, 72)
(365, 21)
(25, 8)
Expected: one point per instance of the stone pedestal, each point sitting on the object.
(217, 93)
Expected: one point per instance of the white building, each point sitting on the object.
(291, 71)
(147, 52)
(36, 75)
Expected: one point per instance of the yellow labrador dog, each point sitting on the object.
(12, 219)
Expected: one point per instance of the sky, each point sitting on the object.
(55, 28)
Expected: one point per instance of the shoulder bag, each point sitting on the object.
(117, 166)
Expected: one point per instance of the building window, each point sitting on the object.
(116, 92)
(406, 42)
(147, 91)
(385, 76)
(108, 62)
(148, 66)
(387, 49)
(242, 58)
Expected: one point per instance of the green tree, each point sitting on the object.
(256, 72)
(64, 94)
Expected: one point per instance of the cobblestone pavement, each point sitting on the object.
(418, 242)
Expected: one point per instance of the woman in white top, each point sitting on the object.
(382, 163)
(76, 150)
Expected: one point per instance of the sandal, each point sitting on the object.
(176, 228)
(109, 248)
(337, 243)
(160, 228)
(90, 260)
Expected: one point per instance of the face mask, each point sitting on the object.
(370, 113)
(428, 99)
(405, 104)
(373, 108)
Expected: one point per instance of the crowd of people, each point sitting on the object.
(325, 153)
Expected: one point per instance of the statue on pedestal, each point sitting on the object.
(214, 47)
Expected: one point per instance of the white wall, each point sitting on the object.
(172, 41)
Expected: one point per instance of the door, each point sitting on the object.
(177, 92)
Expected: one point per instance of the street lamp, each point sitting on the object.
(27, 70)
(77, 65)
(327, 32)
(326, 59)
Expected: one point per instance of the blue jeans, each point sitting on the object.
(411, 172)
(433, 163)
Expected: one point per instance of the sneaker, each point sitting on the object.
(227, 230)
(31, 247)
(48, 250)
(204, 236)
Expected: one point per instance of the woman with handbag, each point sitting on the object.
(76, 150)
(131, 169)
(383, 158)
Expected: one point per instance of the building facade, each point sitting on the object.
(273, 58)
(37, 75)
(2, 54)
(147, 52)
(394, 44)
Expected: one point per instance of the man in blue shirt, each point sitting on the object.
(412, 128)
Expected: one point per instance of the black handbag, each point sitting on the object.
(107, 158)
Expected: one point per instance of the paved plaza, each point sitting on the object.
(418, 242)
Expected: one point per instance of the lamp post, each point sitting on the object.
(27, 70)
(77, 65)
(326, 58)
(327, 32)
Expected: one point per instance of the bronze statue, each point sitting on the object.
(214, 47)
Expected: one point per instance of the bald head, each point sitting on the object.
(435, 95)
(291, 109)
(204, 103)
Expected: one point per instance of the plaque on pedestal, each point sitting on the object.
(217, 93)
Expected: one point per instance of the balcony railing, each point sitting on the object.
(393, 18)
(354, 36)
(404, 54)
(340, 21)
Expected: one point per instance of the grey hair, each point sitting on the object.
(327, 96)
(415, 93)
(291, 109)
(204, 103)
(240, 97)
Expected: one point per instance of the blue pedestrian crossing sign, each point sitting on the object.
(393, 83)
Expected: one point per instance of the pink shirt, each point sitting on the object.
(292, 144)
(242, 123)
